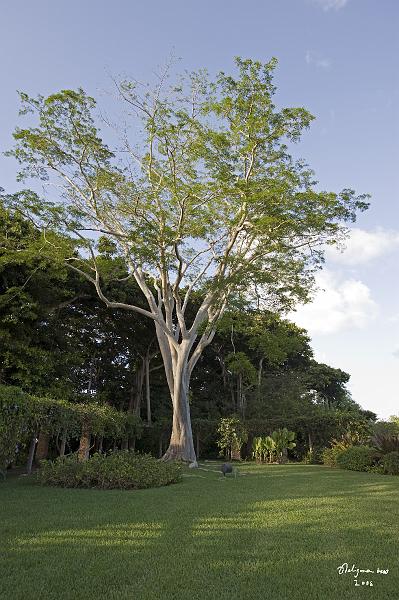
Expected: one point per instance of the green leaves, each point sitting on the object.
(211, 170)
(232, 434)
(263, 448)
(22, 414)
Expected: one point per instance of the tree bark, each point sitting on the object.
(181, 445)
(42, 447)
(84, 445)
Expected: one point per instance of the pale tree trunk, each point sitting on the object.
(179, 363)
(181, 445)
(63, 443)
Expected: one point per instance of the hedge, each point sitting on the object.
(23, 415)
(118, 470)
(357, 458)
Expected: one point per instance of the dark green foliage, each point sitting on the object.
(357, 458)
(314, 457)
(390, 463)
(118, 470)
(14, 416)
(22, 415)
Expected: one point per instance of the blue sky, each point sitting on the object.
(338, 58)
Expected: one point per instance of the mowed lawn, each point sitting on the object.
(274, 532)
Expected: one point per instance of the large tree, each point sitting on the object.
(203, 195)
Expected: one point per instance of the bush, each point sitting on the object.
(376, 469)
(314, 457)
(118, 470)
(390, 463)
(357, 458)
(330, 455)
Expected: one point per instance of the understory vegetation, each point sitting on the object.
(120, 470)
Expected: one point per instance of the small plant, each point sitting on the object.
(390, 463)
(257, 449)
(118, 470)
(263, 448)
(357, 458)
(283, 441)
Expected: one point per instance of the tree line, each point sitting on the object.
(60, 342)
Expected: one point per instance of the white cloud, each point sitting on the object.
(396, 353)
(363, 246)
(312, 58)
(330, 4)
(337, 305)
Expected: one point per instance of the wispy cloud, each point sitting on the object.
(396, 353)
(338, 305)
(312, 58)
(330, 4)
(364, 246)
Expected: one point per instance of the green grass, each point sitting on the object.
(274, 532)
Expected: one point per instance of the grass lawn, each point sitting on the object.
(274, 532)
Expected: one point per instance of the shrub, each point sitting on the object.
(357, 458)
(330, 455)
(313, 457)
(390, 463)
(376, 469)
(118, 470)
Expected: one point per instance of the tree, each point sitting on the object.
(33, 287)
(329, 386)
(207, 199)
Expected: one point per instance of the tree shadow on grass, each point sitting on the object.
(206, 539)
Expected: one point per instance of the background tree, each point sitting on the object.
(208, 199)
